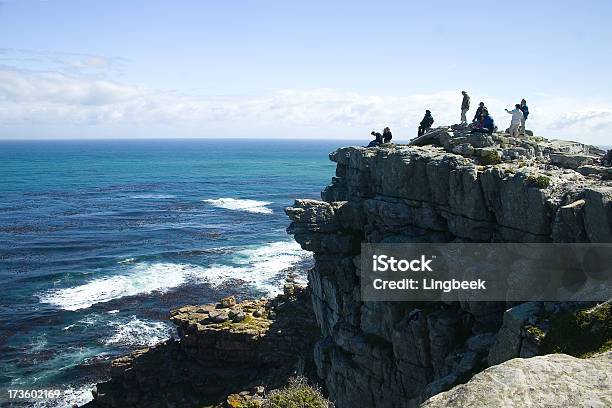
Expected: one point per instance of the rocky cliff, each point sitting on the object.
(226, 354)
(447, 186)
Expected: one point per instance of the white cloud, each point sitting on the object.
(48, 98)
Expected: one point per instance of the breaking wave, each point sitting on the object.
(71, 396)
(137, 332)
(263, 268)
(252, 206)
(141, 279)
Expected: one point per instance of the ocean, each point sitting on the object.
(100, 239)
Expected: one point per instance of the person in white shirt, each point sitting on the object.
(517, 120)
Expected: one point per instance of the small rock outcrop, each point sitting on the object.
(448, 186)
(226, 352)
(554, 380)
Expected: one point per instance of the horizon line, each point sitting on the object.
(171, 138)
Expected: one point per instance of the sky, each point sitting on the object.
(299, 69)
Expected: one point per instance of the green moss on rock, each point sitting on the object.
(490, 157)
(535, 333)
(538, 181)
(582, 333)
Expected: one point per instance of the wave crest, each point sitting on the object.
(136, 332)
(262, 268)
(252, 206)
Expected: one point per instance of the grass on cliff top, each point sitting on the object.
(297, 394)
(580, 334)
(540, 182)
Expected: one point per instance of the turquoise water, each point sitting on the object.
(99, 239)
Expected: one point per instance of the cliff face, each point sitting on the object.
(450, 186)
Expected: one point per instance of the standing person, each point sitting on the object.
(525, 109)
(425, 124)
(387, 136)
(465, 106)
(517, 119)
(479, 111)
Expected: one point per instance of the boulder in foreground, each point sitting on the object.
(554, 380)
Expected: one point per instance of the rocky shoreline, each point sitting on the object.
(447, 186)
(226, 353)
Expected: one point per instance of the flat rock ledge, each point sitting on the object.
(554, 380)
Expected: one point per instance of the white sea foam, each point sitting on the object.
(140, 279)
(252, 206)
(70, 397)
(258, 267)
(38, 344)
(137, 332)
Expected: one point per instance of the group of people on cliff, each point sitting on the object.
(481, 123)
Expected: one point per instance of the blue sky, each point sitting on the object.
(81, 69)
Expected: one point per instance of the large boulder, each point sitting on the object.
(554, 380)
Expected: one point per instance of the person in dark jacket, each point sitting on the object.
(425, 124)
(488, 122)
(479, 110)
(387, 136)
(377, 139)
(525, 109)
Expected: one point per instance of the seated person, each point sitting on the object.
(425, 124)
(377, 139)
(479, 111)
(488, 122)
(387, 136)
(485, 124)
